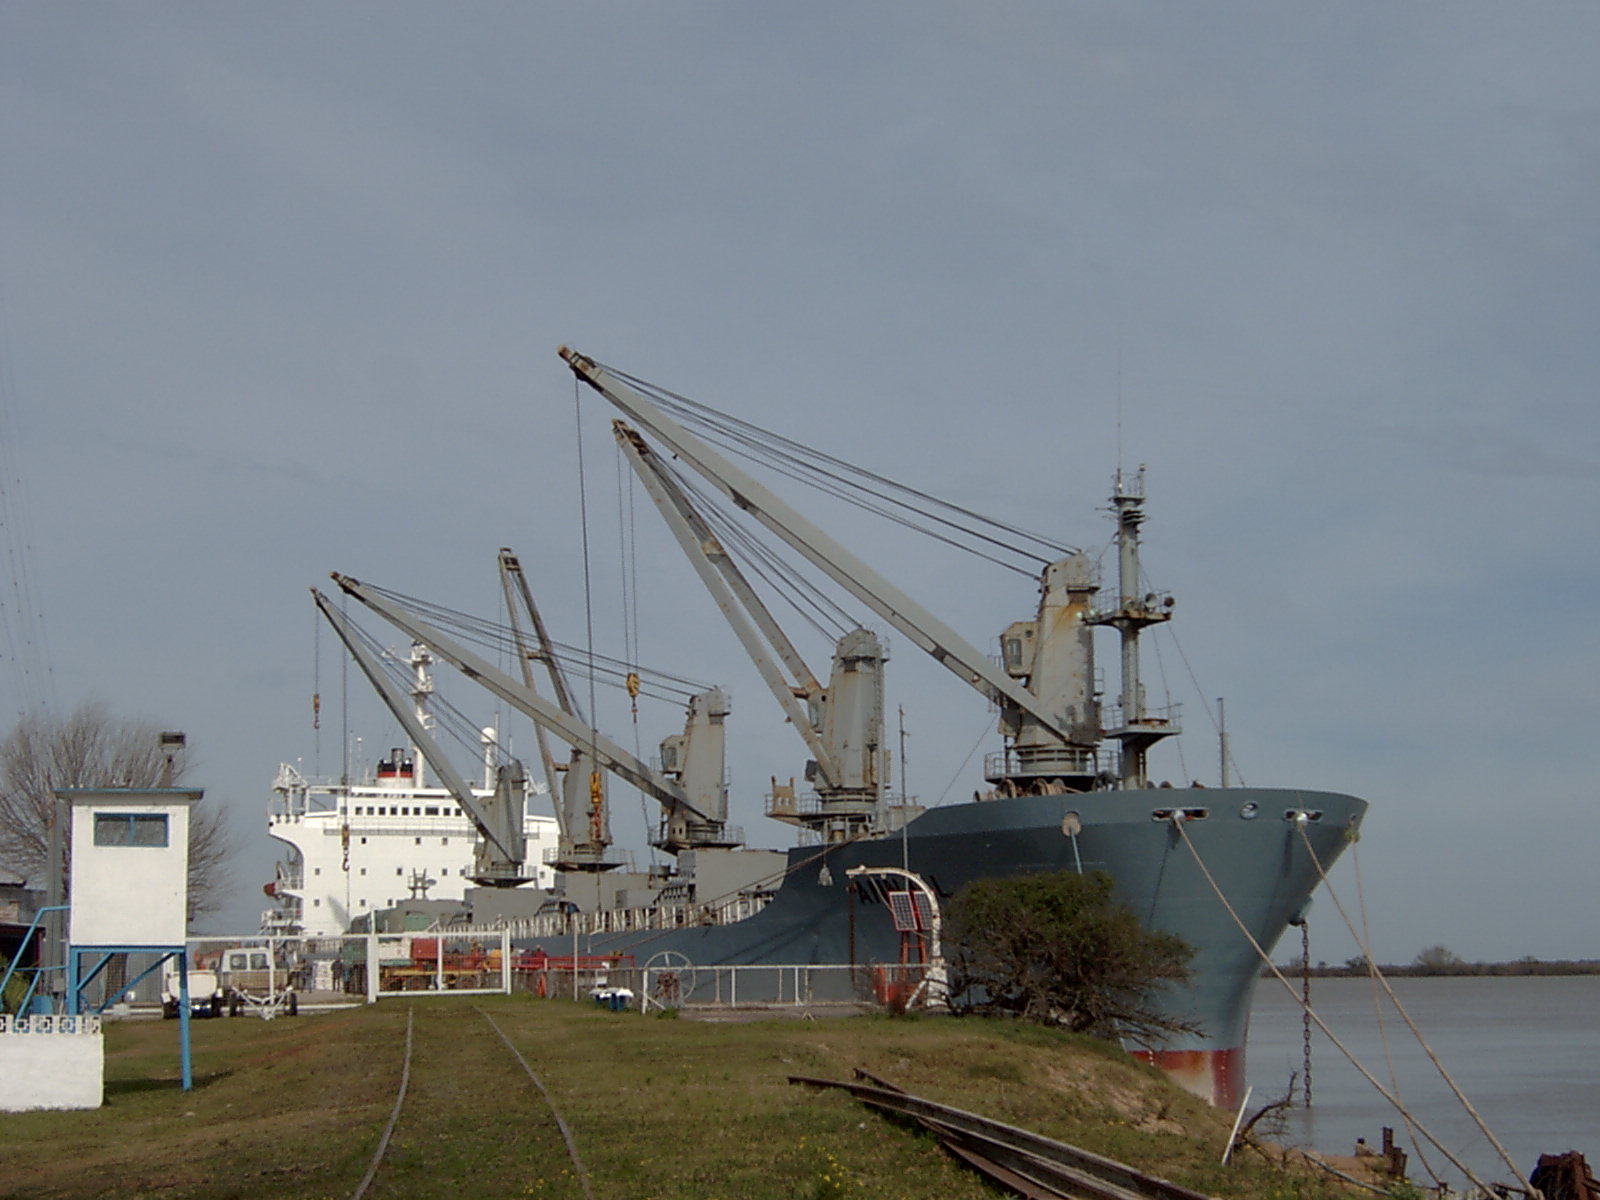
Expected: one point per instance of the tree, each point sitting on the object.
(1058, 949)
(1438, 960)
(91, 748)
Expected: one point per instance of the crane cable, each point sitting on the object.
(760, 559)
(790, 459)
(316, 693)
(1178, 824)
(449, 720)
(476, 631)
(1379, 978)
(596, 790)
(628, 573)
(627, 548)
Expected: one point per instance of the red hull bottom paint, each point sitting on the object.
(1216, 1076)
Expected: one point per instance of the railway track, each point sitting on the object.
(1031, 1165)
(1027, 1163)
(374, 1168)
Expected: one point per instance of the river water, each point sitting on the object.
(1525, 1050)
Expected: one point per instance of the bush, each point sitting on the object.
(1057, 949)
(16, 988)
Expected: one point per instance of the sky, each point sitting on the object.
(281, 289)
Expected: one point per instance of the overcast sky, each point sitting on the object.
(281, 288)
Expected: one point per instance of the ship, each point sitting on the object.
(378, 835)
(1227, 869)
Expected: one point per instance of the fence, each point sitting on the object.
(278, 970)
(281, 974)
(670, 981)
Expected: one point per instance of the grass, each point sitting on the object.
(659, 1109)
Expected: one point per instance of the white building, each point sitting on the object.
(130, 866)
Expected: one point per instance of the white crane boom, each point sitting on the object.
(572, 731)
(746, 614)
(510, 843)
(515, 586)
(850, 572)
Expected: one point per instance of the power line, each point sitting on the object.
(22, 627)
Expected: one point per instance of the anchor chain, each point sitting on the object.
(1305, 1009)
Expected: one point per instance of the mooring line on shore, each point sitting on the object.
(394, 1116)
(561, 1124)
(1381, 980)
(1266, 959)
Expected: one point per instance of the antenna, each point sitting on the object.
(1119, 401)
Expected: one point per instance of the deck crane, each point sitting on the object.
(583, 818)
(500, 857)
(690, 788)
(515, 586)
(1049, 710)
(841, 724)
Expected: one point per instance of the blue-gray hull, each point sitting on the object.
(1248, 839)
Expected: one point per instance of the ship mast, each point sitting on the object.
(1139, 727)
(421, 689)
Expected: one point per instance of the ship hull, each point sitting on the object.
(1246, 838)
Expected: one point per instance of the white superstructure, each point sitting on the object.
(363, 846)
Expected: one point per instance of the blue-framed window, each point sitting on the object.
(130, 829)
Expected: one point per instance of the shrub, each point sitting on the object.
(1058, 949)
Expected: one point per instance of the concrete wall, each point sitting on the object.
(51, 1062)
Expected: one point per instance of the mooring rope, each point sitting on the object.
(399, 1101)
(1378, 977)
(1377, 1008)
(1178, 824)
(566, 1134)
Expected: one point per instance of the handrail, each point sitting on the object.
(11, 968)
